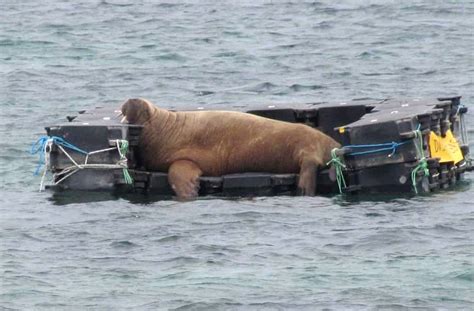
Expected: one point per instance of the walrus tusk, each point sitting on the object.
(123, 119)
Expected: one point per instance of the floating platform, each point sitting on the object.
(394, 145)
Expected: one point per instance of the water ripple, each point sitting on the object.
(102, 251)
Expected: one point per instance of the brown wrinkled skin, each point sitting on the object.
(214, 143)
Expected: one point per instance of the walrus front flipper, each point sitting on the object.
(183, 177)
(307, 179)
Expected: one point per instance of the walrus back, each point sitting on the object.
(244, 142)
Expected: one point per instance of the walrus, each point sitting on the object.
(190, 144)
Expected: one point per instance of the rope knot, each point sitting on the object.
(422, 163)
(122, 147)
(338, 164)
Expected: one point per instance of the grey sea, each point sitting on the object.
(101, 252)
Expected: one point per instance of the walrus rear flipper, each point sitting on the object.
(307, 179)
(183, 177)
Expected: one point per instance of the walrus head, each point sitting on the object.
(137, 110)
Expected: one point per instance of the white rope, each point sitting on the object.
(47, 152)
(67, 154)
(99, 151)
(463, 129)
(120, 152)
(71, 170)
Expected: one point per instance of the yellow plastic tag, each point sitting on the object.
(446, 148)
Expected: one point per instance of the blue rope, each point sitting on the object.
(40, 146)
(36, 147)
(393, 146)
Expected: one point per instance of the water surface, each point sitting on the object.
(100, 251)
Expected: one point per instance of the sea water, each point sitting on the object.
(102, 252)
